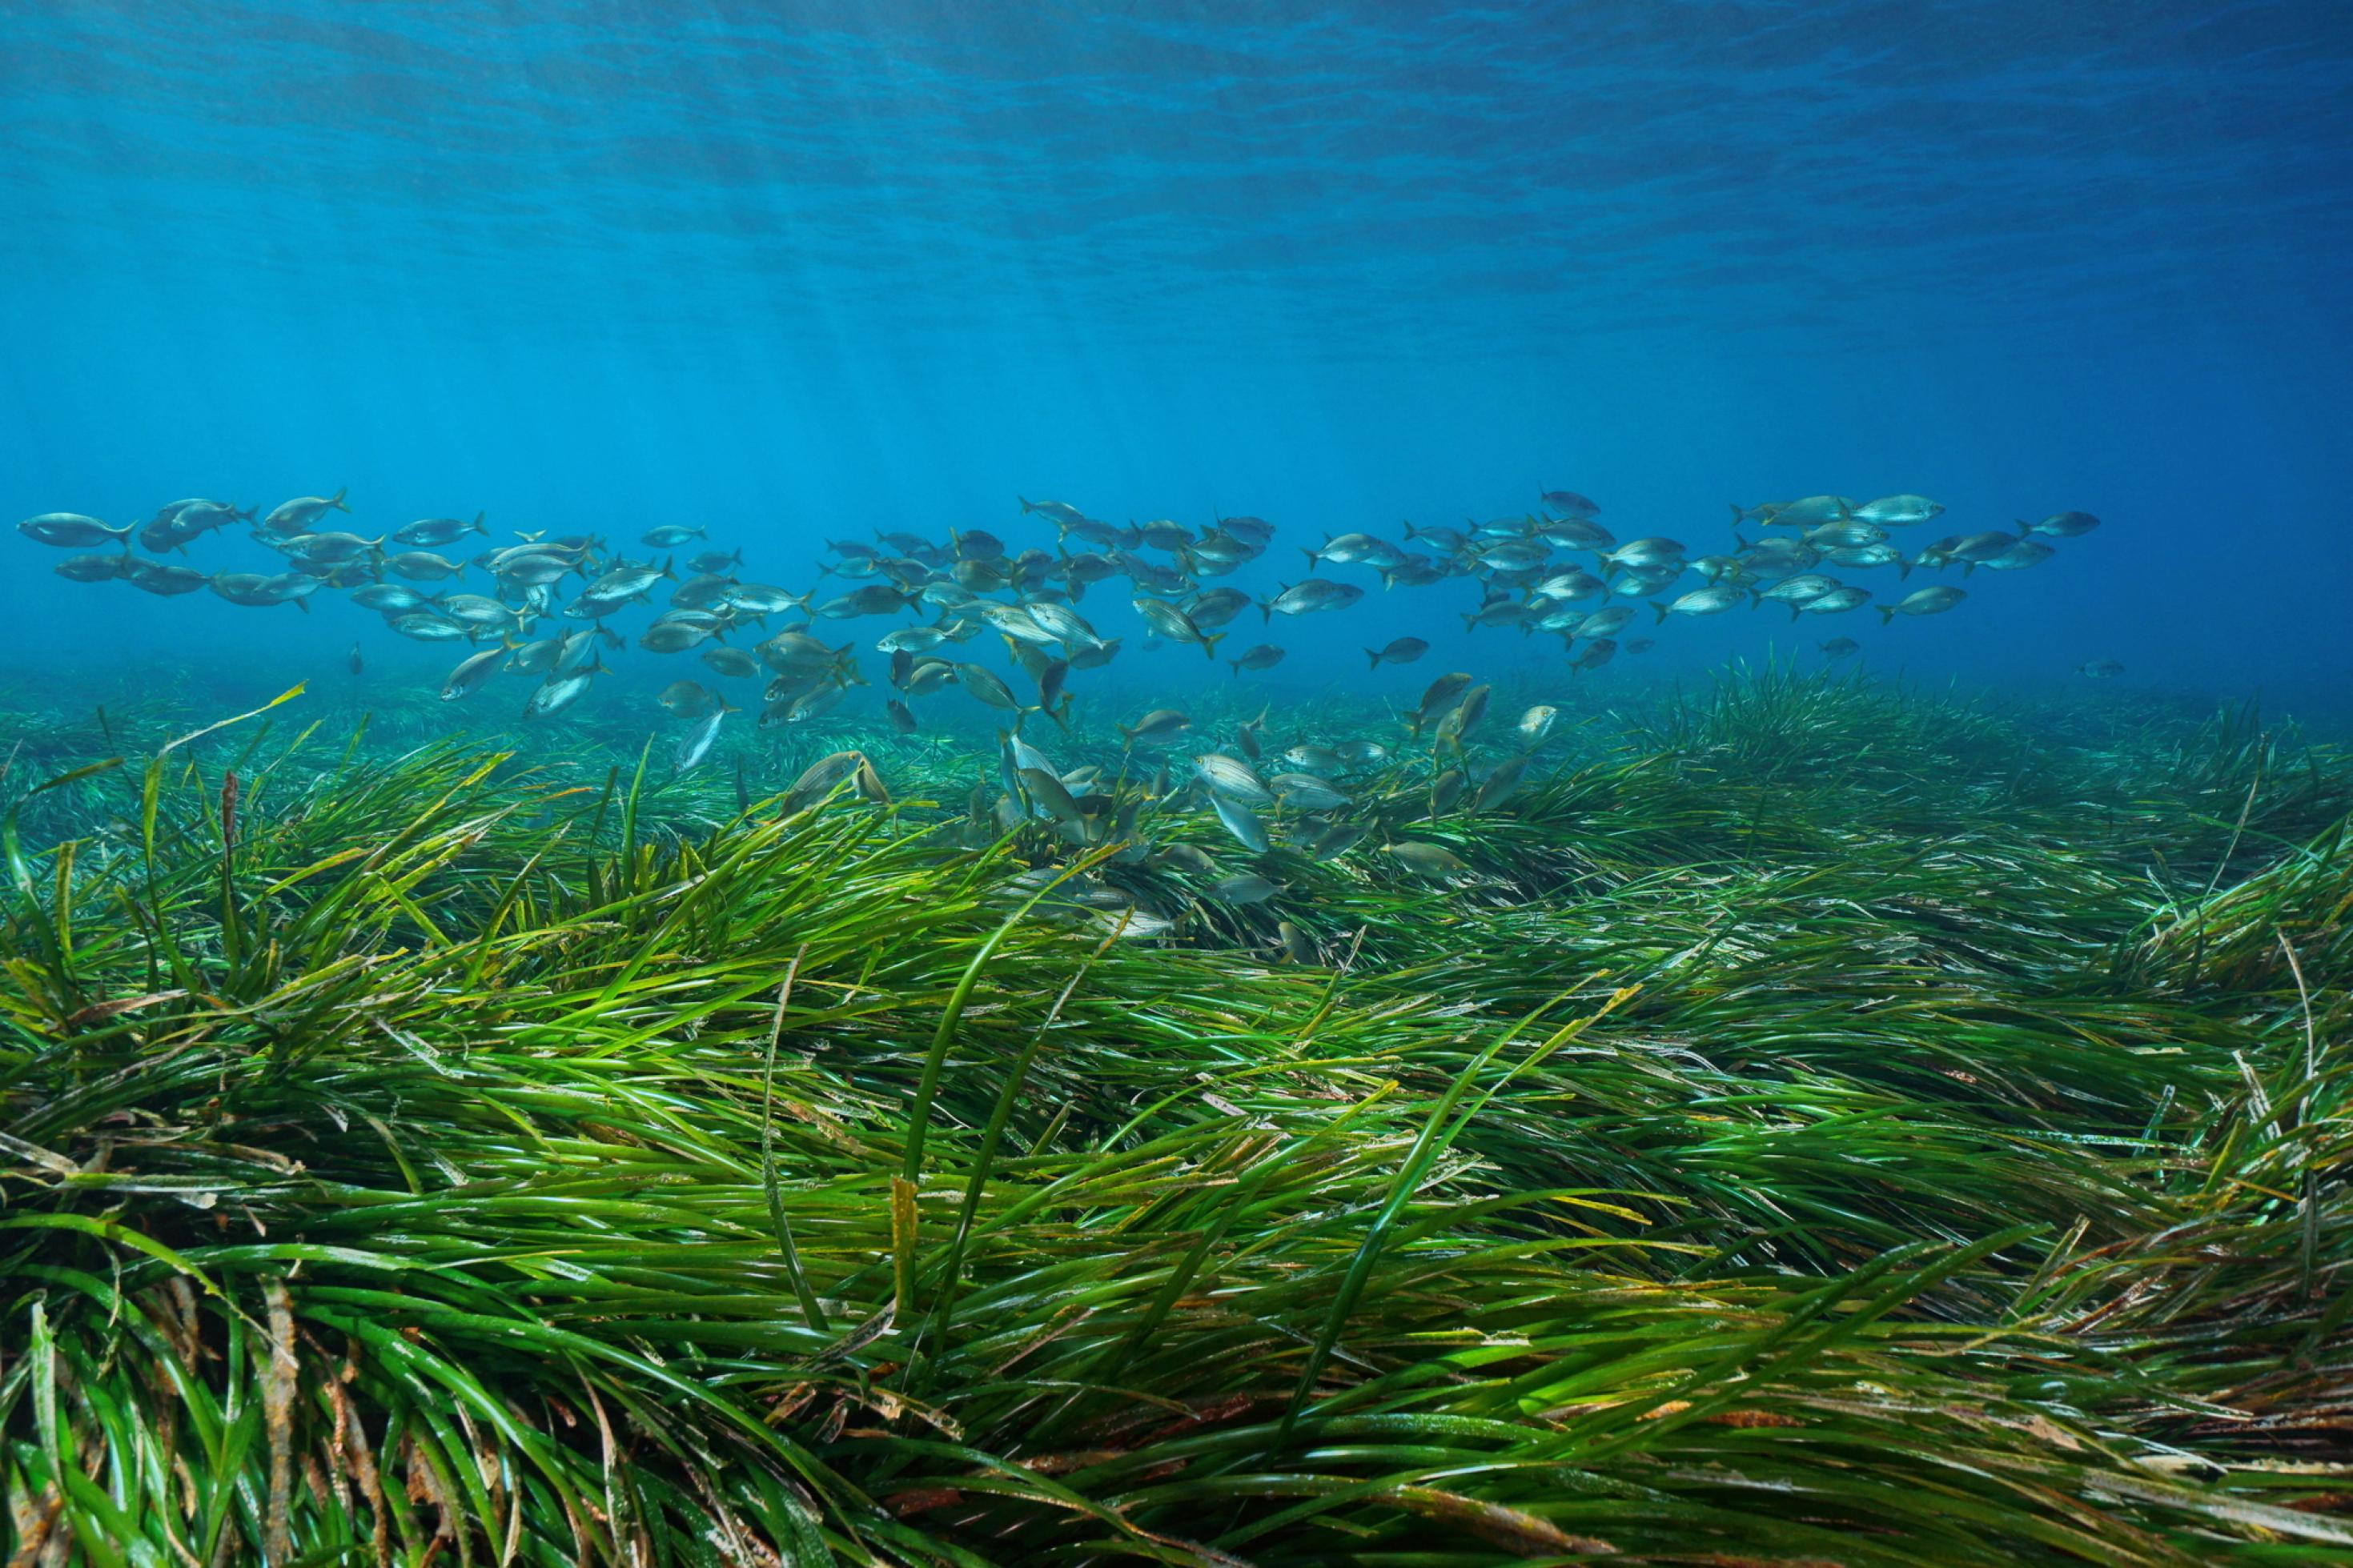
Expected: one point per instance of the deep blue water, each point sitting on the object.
(800, 271)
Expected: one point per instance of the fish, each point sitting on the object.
(1014, 622)
(1338, 839)
(712, 562)
(1812, 511)
(299, 515)
(423, 565)
(1575, 534)
(1308, 597)
(1602, 622)
(1569, 504)
(1595, 655)
(1398, 650)
(1836, 601)
(1536, 723)
(2100, 668)
(819, 779)
(1503, 782)
(1567, 587)
(355, 664)
(1840, 647)
(696, 744)
(424, 625)
(1238, 819)
(902, 717)
(687, 699)
(2062, 525)
(93, 568)
(1847, 533)
(1898, 511)
(1244, 887)
(669, 536)
(1265, 656)
(1650, 551)
(1512, 555)
(988, 688)
(1310, 758)
(1168, 621)
(730, 661)
(1064, 624)
(674, 637)
(1975, 547)
(1639, 644)
(2025, 552)
(470, 672)
(1795, 591)
(1431, 860)
(1305, 792)
(72, 531)
(1713, 599)
(428, 532)
(1232, 779)
(562, 690)
(1439, 698)
(1214, 607)
(1932, 601)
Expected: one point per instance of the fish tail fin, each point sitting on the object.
(1209, 645)
(666, 571)
(1661, 611)
(1266, 611)
(1904, 567)
(1373, 659)
(1737, 514)
(1026, 508)
(304, 605)
(1314, 559)
(336, 501)
(1886, 613)
(1468, 620)
(1793, 613)
(1967, 567)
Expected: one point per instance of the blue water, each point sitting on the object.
(800, 271)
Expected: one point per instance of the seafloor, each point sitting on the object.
(1818, 1122)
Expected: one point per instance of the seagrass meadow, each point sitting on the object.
(1827, 1122)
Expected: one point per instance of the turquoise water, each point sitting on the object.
(794, 273)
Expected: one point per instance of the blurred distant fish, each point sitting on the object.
(1569, 504)
(2100, 668)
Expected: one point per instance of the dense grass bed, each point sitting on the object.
(1824, 1125)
